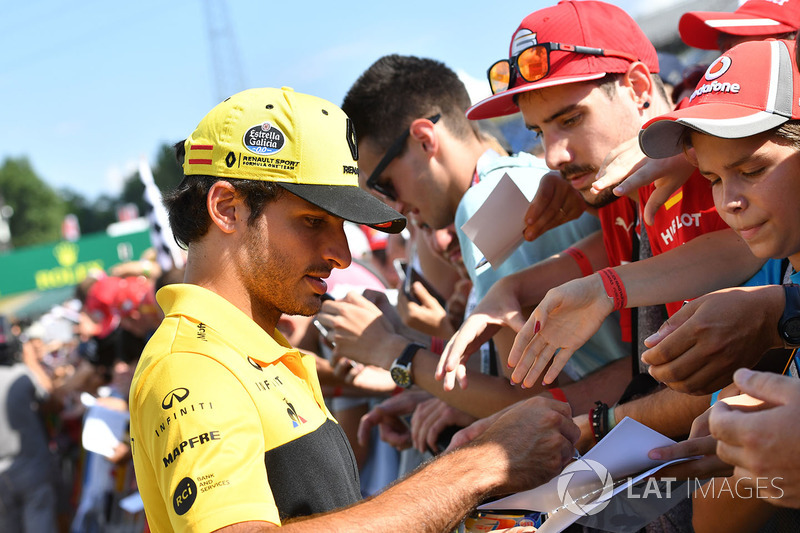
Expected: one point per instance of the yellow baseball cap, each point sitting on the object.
(304, 143)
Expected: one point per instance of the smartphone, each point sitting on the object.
(408, 275)
(400, 267)
(322, 329)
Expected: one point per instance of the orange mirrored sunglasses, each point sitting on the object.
(533, 63)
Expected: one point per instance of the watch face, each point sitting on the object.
(400, 376)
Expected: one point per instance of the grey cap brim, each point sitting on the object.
(350, 203)
(662, 137)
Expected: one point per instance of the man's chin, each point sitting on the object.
(601, 199)
(307, 308)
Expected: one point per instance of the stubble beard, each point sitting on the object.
(602, 199)
(273, 283)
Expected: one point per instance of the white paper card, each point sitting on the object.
(103, 429)
(496, 227)
(623, 452)
(132, 503)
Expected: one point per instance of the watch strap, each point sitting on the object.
(402, 365)
(408, 354)
(788, 324)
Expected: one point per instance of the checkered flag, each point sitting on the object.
(168, 254)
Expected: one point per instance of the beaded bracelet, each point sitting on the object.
(599, 417)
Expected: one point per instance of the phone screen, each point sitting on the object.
(412, 275)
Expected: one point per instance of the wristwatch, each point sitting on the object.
(401, 367)
(789, 324)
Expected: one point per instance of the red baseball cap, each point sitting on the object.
(751, 88)
(701, 29)
(113, 297)
(582, 22)
(377, 239)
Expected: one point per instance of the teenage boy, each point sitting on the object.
(744, 135)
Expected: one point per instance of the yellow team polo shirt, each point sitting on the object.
(228, 424)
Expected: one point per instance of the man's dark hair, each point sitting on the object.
(396, 90)
(186, 205)
(608, 84)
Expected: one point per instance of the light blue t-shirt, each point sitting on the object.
(526, 170)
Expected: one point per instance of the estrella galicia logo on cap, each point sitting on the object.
(179, 394)
(184, 496)
(264, 139)
(718, 68)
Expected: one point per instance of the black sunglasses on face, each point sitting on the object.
(385, 187)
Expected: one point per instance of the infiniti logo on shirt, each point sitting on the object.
(179, 394)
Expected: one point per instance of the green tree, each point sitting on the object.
(38, 210)
(92, 216)
(167, 173)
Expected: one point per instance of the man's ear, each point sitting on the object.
(423, 131)
(225, 206)
(638, 80)
(690, 155)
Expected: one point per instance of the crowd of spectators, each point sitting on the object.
(655, 280)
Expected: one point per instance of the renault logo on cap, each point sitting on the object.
(351, 139)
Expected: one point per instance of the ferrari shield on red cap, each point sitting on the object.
(570, 42)
(752, 88)
(702, 29)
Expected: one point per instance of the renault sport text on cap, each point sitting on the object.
(304, 143)
(750, 89)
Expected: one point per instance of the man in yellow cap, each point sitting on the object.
(229, 429)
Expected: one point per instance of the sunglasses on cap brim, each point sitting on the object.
(385, 187)
(533, 63)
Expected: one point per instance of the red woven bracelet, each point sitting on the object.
(614, 288)
(583, 262)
